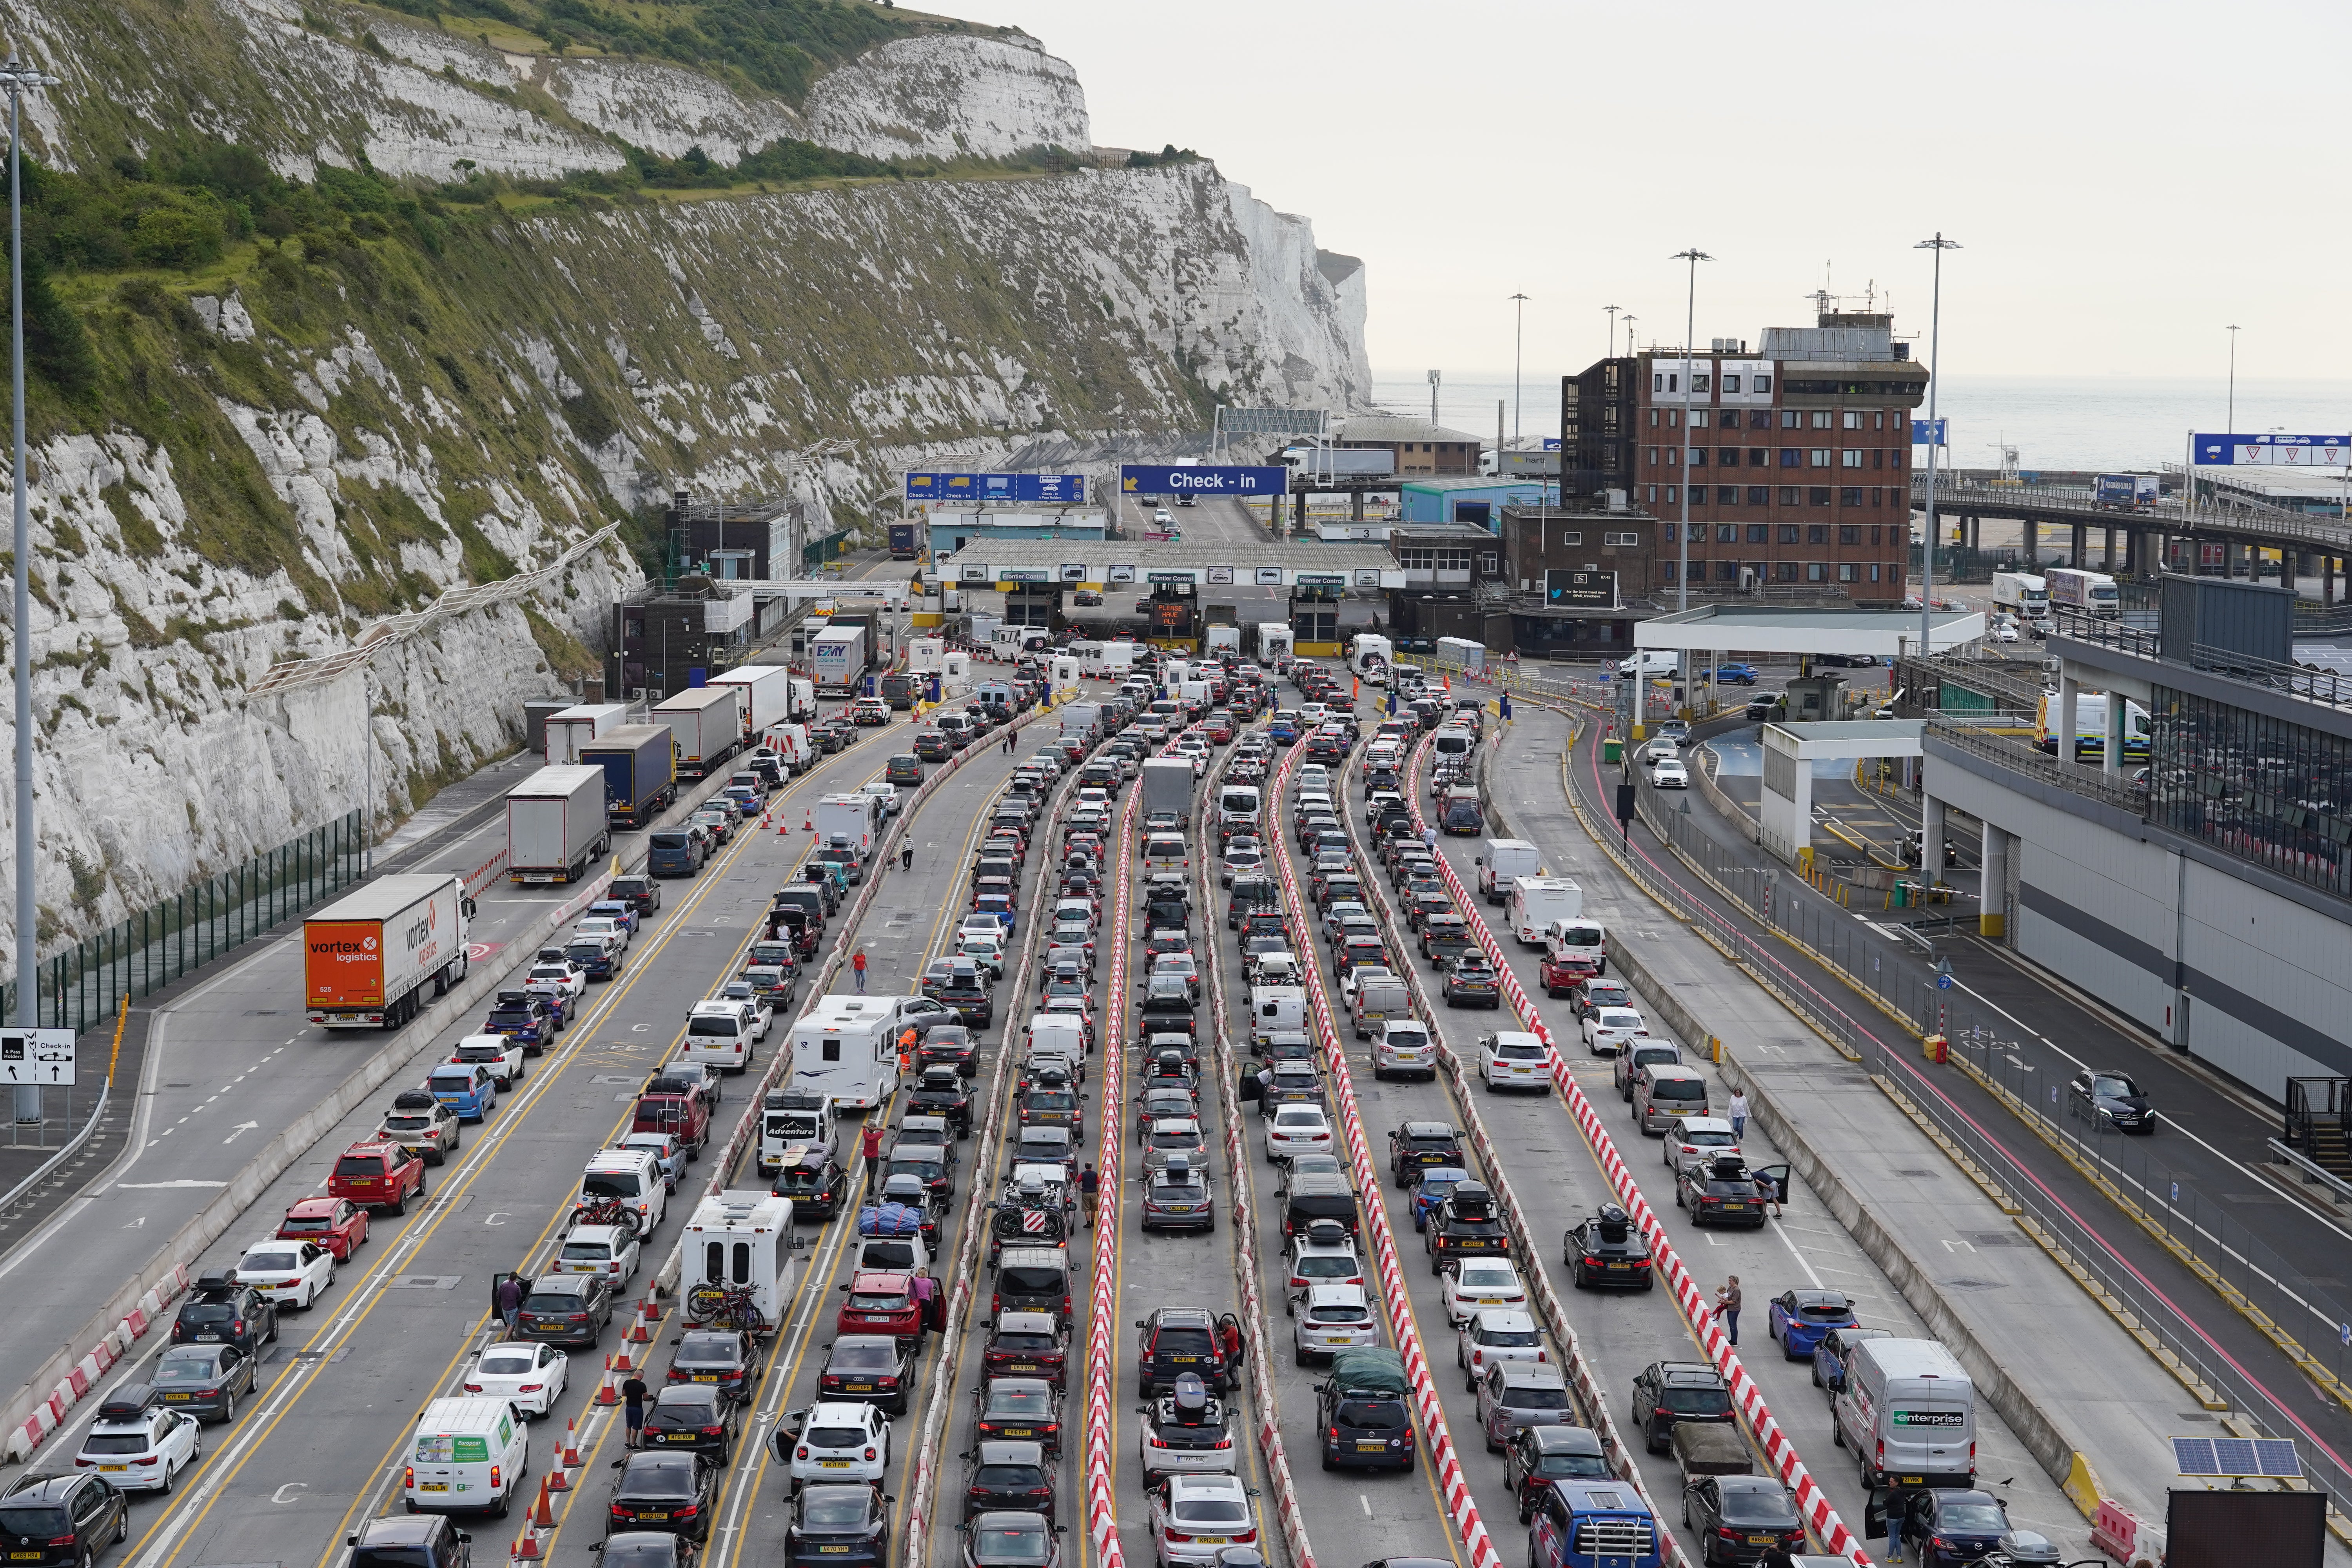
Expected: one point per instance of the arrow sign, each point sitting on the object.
(242, 1129)
(42, 1057)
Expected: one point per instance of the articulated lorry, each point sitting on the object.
(556, 825)
(906, 541)
(1167, 786)
(370, 960)
(2093, 590)
(2025, 594)
(840, 654)
(708, 723)
(576, 726)
(767, 694)
(640, 772)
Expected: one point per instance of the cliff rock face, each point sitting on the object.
(322, 432)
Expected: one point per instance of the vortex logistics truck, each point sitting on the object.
(708, 723)
(640, 772)
(556, 826)
(370, 960)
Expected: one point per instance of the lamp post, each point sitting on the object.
(2232, 422)
(1613, 330)
(1694, 256)
(19, 79)
(1434, 377)
(1519, 358)
(1934, 350)
(1630, 320)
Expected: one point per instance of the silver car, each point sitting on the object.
(1514, 1396)
(1330, 1318)
(1176, 1197)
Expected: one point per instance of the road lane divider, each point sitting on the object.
(1102, 1311)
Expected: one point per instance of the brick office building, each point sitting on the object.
(1798, 459)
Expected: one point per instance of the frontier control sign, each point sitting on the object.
(1166, 480)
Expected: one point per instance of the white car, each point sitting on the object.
(764, 1013)
(558, 977)
(1195, 1518)
(601, 925)
(605, 1250)
(1318, 1259)
(1480, 1283)
(1608, 1029)
(1669, 775)
(142, 1452)
(1161, 515)
(1662, 749)
(1331, 1318)
(1497, 1335)
(988, 924)
(893, 803)
(984, 948)
(1510, 1059)
(1244, 859)
(530, 1377)
(1297, 1129)
(1695, 1138)
(831, 1442)
(290, 1273)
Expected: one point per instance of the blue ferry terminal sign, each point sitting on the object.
(1176, 479)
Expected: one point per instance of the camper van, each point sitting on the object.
(789, 1117)
(741, 1241)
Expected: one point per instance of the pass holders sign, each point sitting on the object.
(1175, 479)
(2270, 450)
(1050, 487)
(37, 1057)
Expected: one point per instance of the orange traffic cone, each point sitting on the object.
(542, 1517)
(808, 823)
(621, 1362)
(571, 1444)
(557, 1481)
(606, 1393)
(525, 1547)
(641, 1332)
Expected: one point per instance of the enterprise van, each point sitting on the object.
(468, 1454)
(1909, 1410)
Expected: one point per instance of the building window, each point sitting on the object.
(1787, 533)
(1850, 495)
(1698, 456)
(1763, 384)
(1730, 382)
(1670, 495)
(1816, 533)
(1847, 571)
(1453, 561)
(1574, 536)
(1821, 418)
(1759, 495)
(1785, 570)
(1650, 494)
(1414, 560)
(1758, 457)
(1849, 533)
(1818, 495)
(1698, 415)
(1816, 573)
(1894, 458)
(1873, 534)
(1727, 457)
(1702, 382)
(1789, 419)
(1790, 495)
(1698, 573)
(1758, 533)
(1669, 536)
(1850, 459)
(1852, 420)
(1614, 540)
(1653, 456)
(1761, 419)
(1878, 456)
(1874, 571)
(1727, 533)
(1654, 418)
(1490, 562)
(1792, 457)
(1727, 571)
(1821, 456)
(1727, 495)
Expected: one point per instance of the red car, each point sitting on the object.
(338, 1225)
(1562, 975)
(881, 1302)
(378, 1175)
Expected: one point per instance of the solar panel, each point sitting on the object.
(2236, 1456)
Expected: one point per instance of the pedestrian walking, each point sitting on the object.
(869, 1145)
(906, 857)
(509, 1301)
(858, 962)
(633, 1409)
(1737, 1111)
(1428, 837)
(1008, 742)
(1726, 1306)
(1090, 1192)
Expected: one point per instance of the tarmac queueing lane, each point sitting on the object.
(220, 1080)
(1624, 1332)
(343, 1387)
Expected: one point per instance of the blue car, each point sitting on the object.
(1830, 1357)
(1799, 1318)
(466, 1088)
(1435, 1185)
(619, 910)
(1735, 674)
(529, 1016)
(1282, 732)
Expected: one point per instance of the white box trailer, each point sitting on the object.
(767, 693)
(707, 723)
(575, 726)
(1223, 639)
(556, 825)
(1533, 903)
(1461, 653)
(840, 655)
(740, 1240)
(1505, 859)
(844, 1047)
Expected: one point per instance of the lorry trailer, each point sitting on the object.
(640, 773)
(840, 655)
(767, 691)
(556, 825)
(370, 960)
(708, 724)
(574, 727)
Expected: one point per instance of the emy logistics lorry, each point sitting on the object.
(370, 960)
(640, 774)
(708, 724)
(556, 825)
(840, 655)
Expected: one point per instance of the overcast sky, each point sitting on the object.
(2127, 180)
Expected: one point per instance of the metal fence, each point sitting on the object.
(81, 988)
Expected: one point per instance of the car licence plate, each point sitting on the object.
(858, 1387)
(1211, 1540)
(1022, 1366)
(834, 1464)
(1621, 1266)
(1763, 1540)
(113, 1467)
(1020, 1431)
(25, 1556)
(657, 1516)
(169, 1397)
(433, 1485)
(705, 1377)
(1183, 1360)
(1370, 1447)
(828, 1550)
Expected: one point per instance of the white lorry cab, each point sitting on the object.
(1910, 1411)
(468, 1455)
(741, 1241)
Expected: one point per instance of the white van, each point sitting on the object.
(791, 1116)
(1059, 1038)
(469, 1453)
(1452, 742)
(631, 1177)
(1910, 1411)
(1652, 661)
(720, 1034)
(1165, 852)
(1276, 1009)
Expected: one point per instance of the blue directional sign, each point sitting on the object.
(2271, 451)
(1171, 479)
(1047, 488)
(1930, 433)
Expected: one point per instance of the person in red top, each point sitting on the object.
(869, 1143)
(858, 962)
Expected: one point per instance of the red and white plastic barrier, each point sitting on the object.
(70, 1390)
(1452, 1486)
(1812, 1503)
(1102, 1304)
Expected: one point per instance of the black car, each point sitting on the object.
(635, 1549)
(873, 1368)
(966, 991)
(61, 1520)
(939, 1092)
(1537, 1456)
(1007, 1473)
(950, 1045)
(906, 768)
(1177, 1339)
(642, 894)
(666, 1490)
(815, 1183)
(1606, 1249)
(1467, 1223)
(2107, 1099)
(566, 1309)
(1364, 1428)
(714, 1358)
(1417, 1146)
(1723, 1191)
(817, 876)
(1738, 1519)
(418, 1541)
(204, 1380)
(1945, 1527)
(1445, 937)
(837, 1522)
(220, 1310)
(1668, 1391)
(1472, 979)
(697, 1416)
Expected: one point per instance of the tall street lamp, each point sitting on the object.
(1519, 358)
(1630, 320)
(1611, 350)
(1935, 350)
(1690, 326)
(19, 79)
